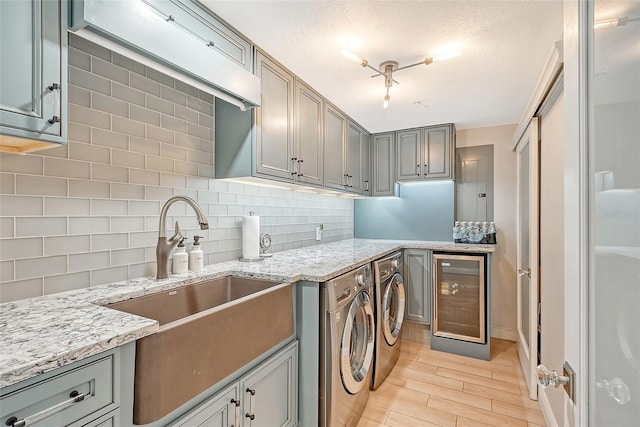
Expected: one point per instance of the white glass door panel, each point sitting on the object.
(527, 256)
(613, 87)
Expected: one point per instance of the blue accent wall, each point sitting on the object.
(420, 211)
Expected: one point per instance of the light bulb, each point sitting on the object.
(606, 23)
(352, 56)
(385, 104)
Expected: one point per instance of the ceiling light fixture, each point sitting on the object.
(387, 68)
(606, 23)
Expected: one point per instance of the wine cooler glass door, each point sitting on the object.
(459, 297)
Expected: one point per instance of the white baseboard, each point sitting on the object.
(546, 408)
(504, 333)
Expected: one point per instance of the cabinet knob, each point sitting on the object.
(250, 416)
(252, 392)
(235, 402)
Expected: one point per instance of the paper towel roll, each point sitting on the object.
(251, 237)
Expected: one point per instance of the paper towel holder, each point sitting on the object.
(260, 257)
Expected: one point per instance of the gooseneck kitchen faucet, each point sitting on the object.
(165, 246)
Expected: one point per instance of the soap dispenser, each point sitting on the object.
(196, 256)
(180, 259)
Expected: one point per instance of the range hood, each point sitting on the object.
(141, 30)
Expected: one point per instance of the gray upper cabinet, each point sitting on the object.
(274, 120)
(438, 149)
(409, 155)
(426, 153)
(383, 164)
(33, 76)
(335, 124)
(366, 164)
(309, 141)
(417, 268)
(353, 171)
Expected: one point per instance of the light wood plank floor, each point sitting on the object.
(432, 388)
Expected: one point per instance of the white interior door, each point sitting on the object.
(527, 154)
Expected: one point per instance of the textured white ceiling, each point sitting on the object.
(504, 47)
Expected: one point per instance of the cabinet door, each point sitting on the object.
(112, 419)
(354, 157)
(309, 141)
(218, 411)
(274, 120)
(417, 278)
(366, 164)
(438, 151)
(383, 164)
(270, 392)
(408, 155)
(32, 56)
(334, 148)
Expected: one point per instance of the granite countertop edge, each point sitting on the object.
(89, 328)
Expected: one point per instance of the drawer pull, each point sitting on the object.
(75, 397)
(250, 416)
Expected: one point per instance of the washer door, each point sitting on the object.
(357, 346)
(393, 305)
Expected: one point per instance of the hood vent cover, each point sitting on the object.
(176, 37)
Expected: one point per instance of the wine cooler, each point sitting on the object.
(459, 297)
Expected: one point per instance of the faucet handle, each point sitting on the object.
(178, 234)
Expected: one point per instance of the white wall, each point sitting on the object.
(504, 260)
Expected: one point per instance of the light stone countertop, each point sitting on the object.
(44, 333)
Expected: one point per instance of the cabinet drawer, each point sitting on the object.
(51, 402)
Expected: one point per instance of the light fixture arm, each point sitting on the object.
(426, 61)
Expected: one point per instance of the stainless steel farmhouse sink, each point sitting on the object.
(208, 330)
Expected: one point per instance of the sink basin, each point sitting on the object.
(208, 330)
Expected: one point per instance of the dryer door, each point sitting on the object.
(357, 346)
(393, 302)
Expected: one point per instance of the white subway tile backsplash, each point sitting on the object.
(79, 59)
(127, 256)
(102, 242)
(45, 226)
(144, 84)
(22, 289)
(199, 105)
(6, 227)
(142, 270)
(186, 141)
(127, 191)
(66, 245)
(17, 163)
(109, 207)
(129, 64)
(171, 180)
(186, 168)
(89, 225)
(89, 261)
(128, 127)
(174, 124)
(89, 47)
(145, 146)
(89, 117)
(20, 248)
(6, 271)
(79, 133)
(66, 168)
(158, 193)
(160, 77)
(142, 240)
(127, 159)
(108, 275)
(144, 208)
(85, 79)
(90, 153)
(79, 96)
(172, 152)
(172, 95)
(158, 134)
(160, 105)
(38, 185)
(40, 267)
(109, 105)
(140, 176)
(66, 282)
(109, 139)
(80, 188)
(109, 71)
(144, 115)
(128, 94)
(7, 183)
(127, 224)
(58, 206)
(101, 172)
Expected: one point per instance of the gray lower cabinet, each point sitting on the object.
(335, 124)
(267, 396)
(309, 143)
(384, 155)
(85, 393)
(33, 77)
(417, 279)
(425, 153)
(274, 150)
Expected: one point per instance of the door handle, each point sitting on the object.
(55, 88)
(548, 378)
(300, 168)
(526, 272)
(418, 170)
